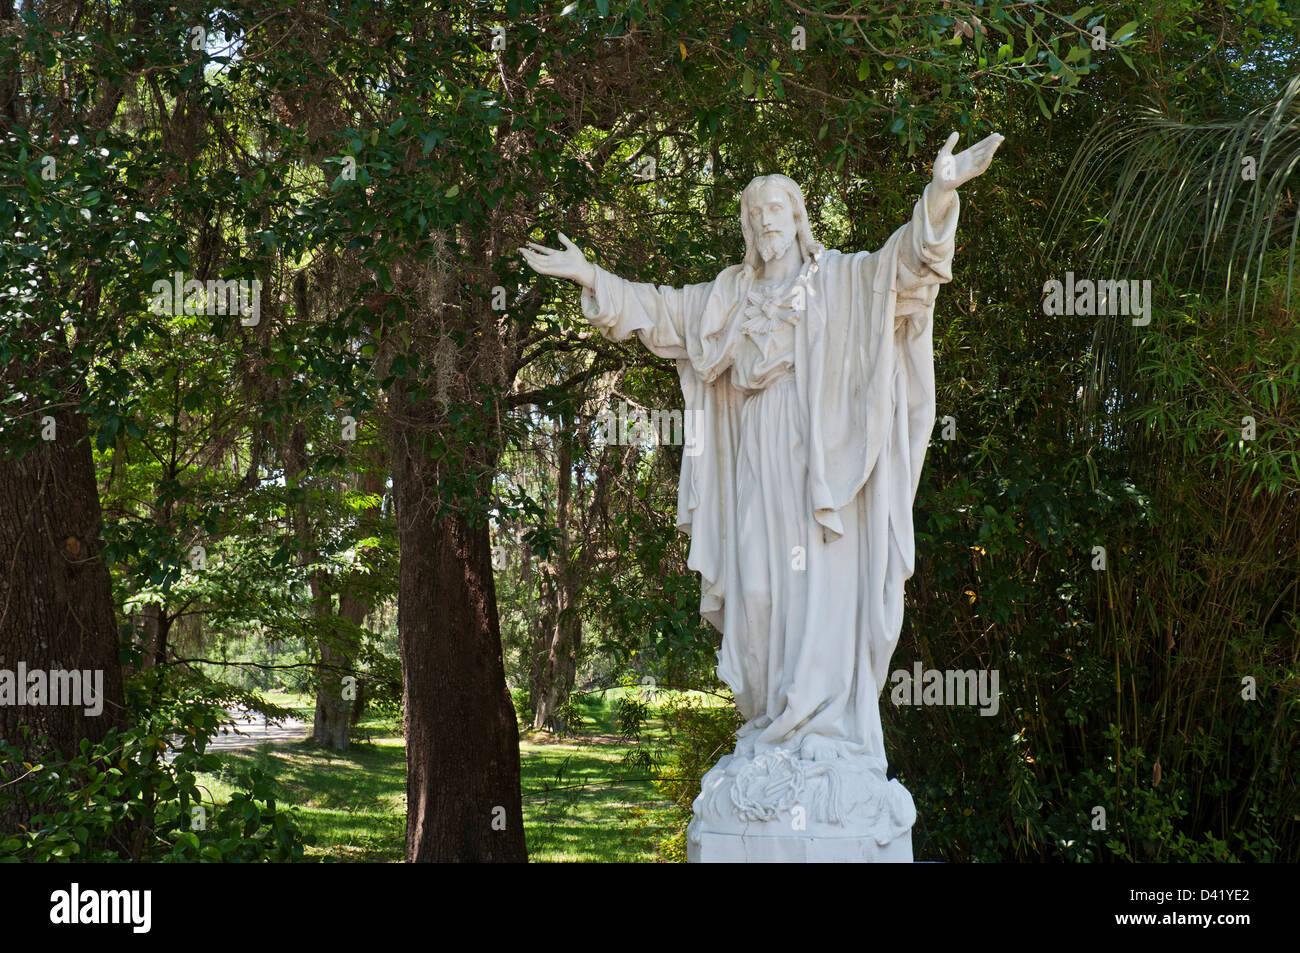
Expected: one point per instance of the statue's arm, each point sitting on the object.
(928, 242)
(925, 254)
(658, 314)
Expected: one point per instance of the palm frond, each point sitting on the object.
(1205, 197)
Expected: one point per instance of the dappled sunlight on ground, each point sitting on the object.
(581, 803)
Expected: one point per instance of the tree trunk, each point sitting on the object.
(157, 629)
(540, 678)
(462, 740)
(554, 663)
(339, 704)
(56, 605)
(336, 710)
(555, 658)
(359, 704)
(332, 722)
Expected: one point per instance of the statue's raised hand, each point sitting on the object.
(568, 262)
(950, 170)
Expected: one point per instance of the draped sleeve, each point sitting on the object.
(661, 316)
(924, 262)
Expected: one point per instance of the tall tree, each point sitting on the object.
(56, 610)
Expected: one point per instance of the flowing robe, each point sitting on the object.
(812, 430)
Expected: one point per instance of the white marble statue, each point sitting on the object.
(812, 372)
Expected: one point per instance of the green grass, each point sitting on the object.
(581, 802)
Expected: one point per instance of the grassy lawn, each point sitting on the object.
(581, 803)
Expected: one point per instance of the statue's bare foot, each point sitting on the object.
(818, 748)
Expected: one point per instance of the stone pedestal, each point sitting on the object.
(706, 848)
(779, 808)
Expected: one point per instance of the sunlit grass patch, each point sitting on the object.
(581, 801)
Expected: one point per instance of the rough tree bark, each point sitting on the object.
(56, 606)
(462, 742)
(56, 603)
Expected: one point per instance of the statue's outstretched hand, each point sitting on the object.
(568, 262)
(950, 170)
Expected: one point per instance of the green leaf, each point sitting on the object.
(1124, 32)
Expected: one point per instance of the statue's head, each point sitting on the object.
(772, 215)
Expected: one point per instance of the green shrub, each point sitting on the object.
(699, 733)
(134, 795)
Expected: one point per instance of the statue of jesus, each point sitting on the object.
(812, 373)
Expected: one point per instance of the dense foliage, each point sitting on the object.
(266, 486)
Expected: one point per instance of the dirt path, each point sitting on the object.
(252, 729)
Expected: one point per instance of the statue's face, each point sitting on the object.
(772, 219)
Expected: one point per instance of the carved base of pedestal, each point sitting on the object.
(706, 848)
(780, 808)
